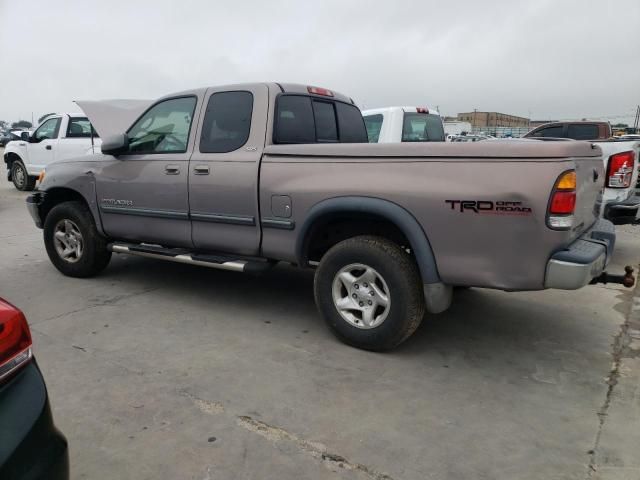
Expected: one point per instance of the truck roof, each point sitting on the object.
(283, 87)
(373, 111)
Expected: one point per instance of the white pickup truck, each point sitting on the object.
(58, 137)
(403, 124)
(621, 163)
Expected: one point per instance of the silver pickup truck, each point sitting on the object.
(240, 177)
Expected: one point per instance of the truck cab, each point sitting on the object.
(404, 124)
(58, 136)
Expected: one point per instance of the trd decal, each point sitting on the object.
(489, 207)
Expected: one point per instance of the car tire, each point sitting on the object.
(21, 178)
(72, 241)
(369, 291)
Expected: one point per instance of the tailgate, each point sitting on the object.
(589, 182)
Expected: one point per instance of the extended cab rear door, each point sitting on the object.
(224, 168)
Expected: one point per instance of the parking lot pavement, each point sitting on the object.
(166, 371)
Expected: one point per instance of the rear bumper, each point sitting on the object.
(31, 447)
(33, 205)
(586, 258)
(623, 213)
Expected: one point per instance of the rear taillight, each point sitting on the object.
(422, 110)
(562, 204)
(620, 170)
(15, 340)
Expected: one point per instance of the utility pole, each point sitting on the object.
(473, 125)
(637, 120)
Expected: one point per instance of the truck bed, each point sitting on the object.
(506, 247)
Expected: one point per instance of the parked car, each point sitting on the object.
(468, 138)
(403, 124)
(584, 130)
(240, 177)
(31, 447)
(620, 156)
(630, 136)
(10, 136)
(58, 137)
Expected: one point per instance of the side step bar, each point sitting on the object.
(181, 255)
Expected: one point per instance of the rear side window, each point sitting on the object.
(374, 125)
(325, 117)
(556, 131)
(301, 119)
(582, 132)
(79, 127)
(227, 122)
(351, 124)
(422, 127)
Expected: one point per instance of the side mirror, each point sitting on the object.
(24, 136)
(115, 144)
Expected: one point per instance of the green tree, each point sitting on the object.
(21, 124)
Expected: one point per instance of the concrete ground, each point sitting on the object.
(165, 371)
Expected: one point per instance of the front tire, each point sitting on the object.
(20, 177)
(369, 292)
(72, 241)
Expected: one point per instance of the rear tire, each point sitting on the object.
(20, 177)
(369, 291)
(72, 241)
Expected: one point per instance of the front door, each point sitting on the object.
(42, 144)
(223, 172)
(143, 194)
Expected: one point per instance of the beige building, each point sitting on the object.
(492, 120)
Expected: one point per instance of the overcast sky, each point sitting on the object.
(546, 58)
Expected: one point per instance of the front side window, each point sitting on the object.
(47, 130)
(164, 128)
(422, 127)
(374, 125)
(79, 127)
(227, 122)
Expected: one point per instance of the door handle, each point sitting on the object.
(48, 147)
(172, 170)
(201, 170)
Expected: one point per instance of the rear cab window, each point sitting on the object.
(422, 127)
(582, 131)
(304, 119)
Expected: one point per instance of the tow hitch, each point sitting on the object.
(627, 279)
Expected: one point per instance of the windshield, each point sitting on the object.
(422, 127)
